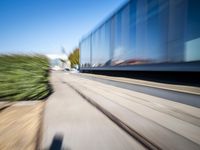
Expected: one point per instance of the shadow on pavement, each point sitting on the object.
(56, 142)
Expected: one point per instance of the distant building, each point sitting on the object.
(59, 62)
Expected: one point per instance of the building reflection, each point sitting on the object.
(145, 32)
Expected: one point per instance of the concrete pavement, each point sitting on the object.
(165, 86)
(168, 124)
(71, 123)
(189, 95)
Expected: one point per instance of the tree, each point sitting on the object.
(74, 57)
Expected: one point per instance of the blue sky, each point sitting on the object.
(44, 26)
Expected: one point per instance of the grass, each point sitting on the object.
(24, 77)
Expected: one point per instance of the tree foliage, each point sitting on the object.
(74, 57)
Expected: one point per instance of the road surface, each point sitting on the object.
(71, 123)
(178, 93)
(88, 114)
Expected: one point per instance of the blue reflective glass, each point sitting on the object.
(85, 53)
(192, 44)
(144, 32)
(100, 46)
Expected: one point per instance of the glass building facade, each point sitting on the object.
(145, 32)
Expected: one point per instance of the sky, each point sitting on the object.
(45, 26)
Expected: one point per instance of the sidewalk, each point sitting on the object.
(71, 123)
(160, 90)
(168, 124)
(165, 86)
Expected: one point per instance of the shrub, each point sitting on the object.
(24, 77)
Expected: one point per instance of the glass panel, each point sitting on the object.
(192, 44)
(125, 33)
(141, 31)
(94, 48)
(121, 51)
(176, 30)
(117, 45)
(107, 43)
(156, 36)
(132, 34)
(100, 46)
(85, 52)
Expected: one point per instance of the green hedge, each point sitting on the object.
(24, 77)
